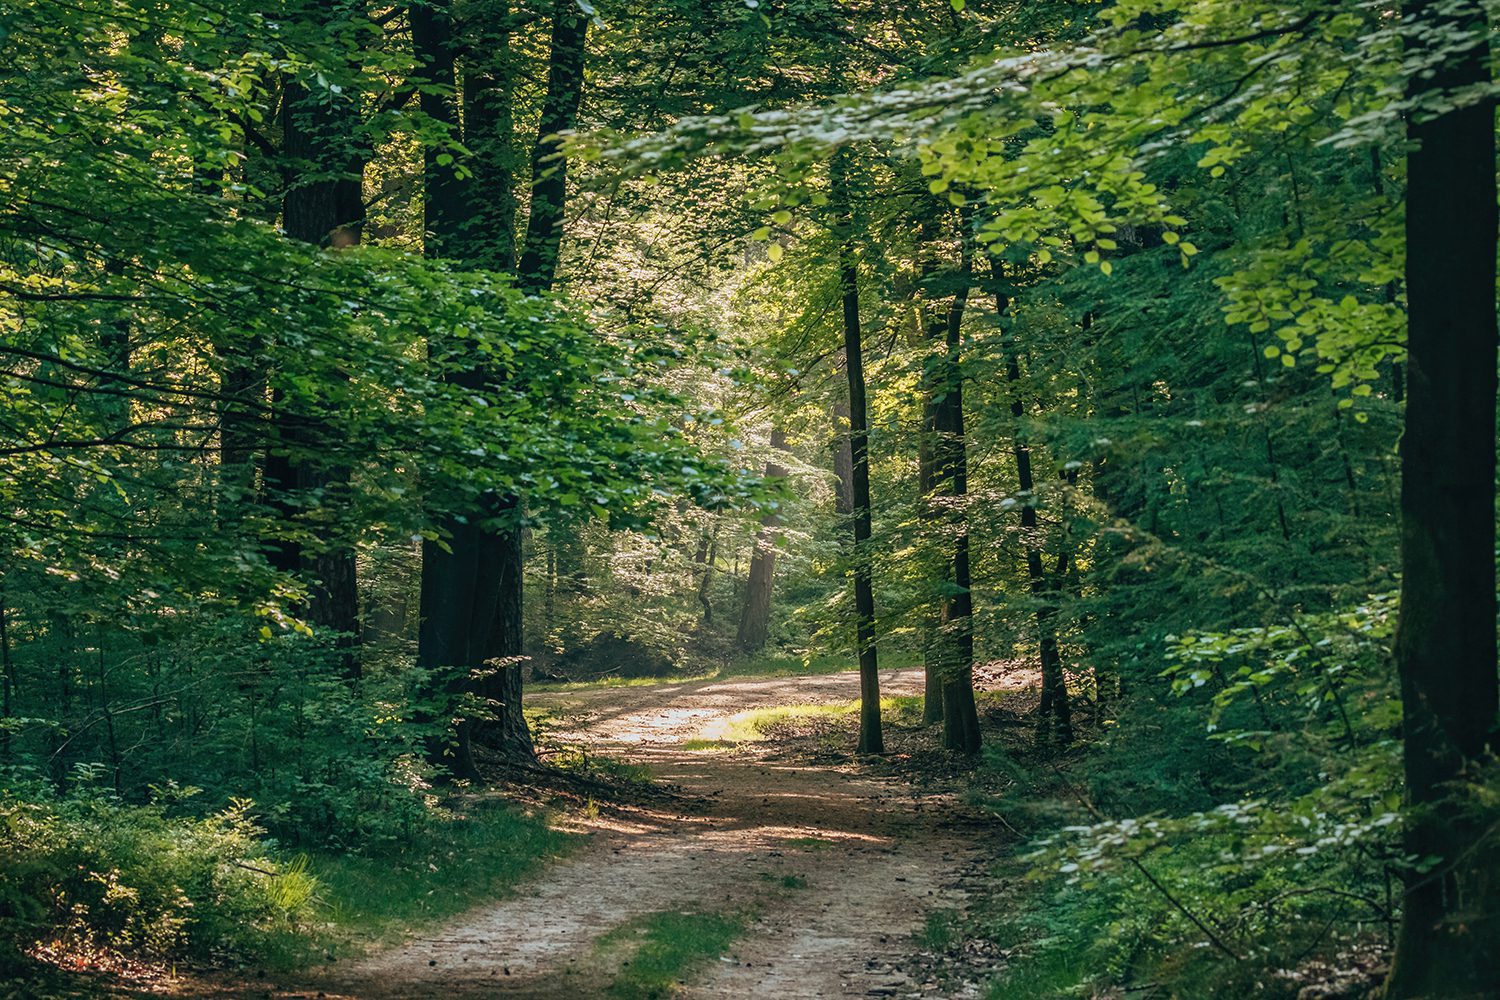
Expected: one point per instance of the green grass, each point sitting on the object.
(660, 949)
(809, 843)
(710, 746)
(942, 929)
(785, 881)
(475, 851)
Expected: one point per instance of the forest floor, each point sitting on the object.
(823, 870)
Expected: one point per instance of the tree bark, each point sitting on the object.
(843, 458)
(451, 597)
(956, 624)
(1448, 944)
(8, 679)
(478, 628)
(755, 612)
(927, 487)
(707, 555)
(1054, 716)
(871, 739)
(549, 172)
(324, 207)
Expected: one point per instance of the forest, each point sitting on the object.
(749, 498)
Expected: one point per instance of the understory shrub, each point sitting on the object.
(88, 873)
(1214, 842)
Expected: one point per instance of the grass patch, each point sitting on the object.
(661, 948)
(809, 843)
(471, 852)
(785, 881)
(941, 931)
(710, 746)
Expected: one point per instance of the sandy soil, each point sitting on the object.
(876, 856)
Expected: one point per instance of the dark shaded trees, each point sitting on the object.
(472, 579)
(1054, 715)
(323, 162)
(1449, 939)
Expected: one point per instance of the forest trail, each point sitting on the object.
(834, 870)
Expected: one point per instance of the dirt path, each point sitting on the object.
(839, 869)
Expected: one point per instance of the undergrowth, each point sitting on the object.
(87, 875)
(92, 881)
(1192, 850)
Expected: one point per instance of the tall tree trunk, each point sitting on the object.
(755, 612)
(535, 272)
(450, 598)
(323, 206)
(708, 554)
(928, 335)
(871, 739)
(489, 133)
(472, 219)
(931, 516)
(1448, 944)
(1054, 717)
(549, 172)
(956, 626)
(843, 457)
(505, 727)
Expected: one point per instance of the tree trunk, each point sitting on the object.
(927, 486)
(956, 624)
(871, 740)
(535, 272)
(1448, 944)
(489, 134)
(843, 458)
(504, 727)
(1054, 717)
(708, 553)
(549, 172)
(450, 597)
(471, 218)
(755, 612)
(323, 206)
